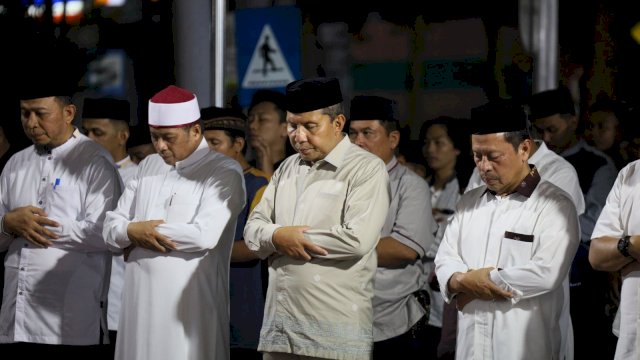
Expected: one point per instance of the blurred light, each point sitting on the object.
(635, 32)
(109, 3)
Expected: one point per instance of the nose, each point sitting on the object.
(483, 164)
(359, 139)
(160, 145)
(300, 135)
(253, 123)
(546, 136)
(29, 120)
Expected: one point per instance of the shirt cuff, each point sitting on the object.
(497, 279)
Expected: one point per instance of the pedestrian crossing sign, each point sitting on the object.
(268, 68)
(268, 49)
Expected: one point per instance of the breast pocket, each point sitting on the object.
(516, 249)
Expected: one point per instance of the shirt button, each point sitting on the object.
(49, 158)
(44, 179)
(19, 292)
(22, 269)
(40, 202)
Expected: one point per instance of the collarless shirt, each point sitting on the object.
(55, 295)
(322, 308)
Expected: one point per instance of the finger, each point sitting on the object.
(48, 233)
(315, 249)
(44, 221)
(303, 255)
(38, 240)
(155, 223)
(37, 211)
(156, 246)
(166, 242)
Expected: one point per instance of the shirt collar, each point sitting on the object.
(199, 153)
(527, 185)
(542, 149)
(336, 156)
(126, 162)
(44, 150)
(392, 164)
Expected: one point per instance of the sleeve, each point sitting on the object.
(117, 221)
(261, 223)
(103, 189)
(365, 211)
(414, 225)
(221, 202)
(551, 257)
(595, 199)
(448, 260)
(610, 221)
(5, 239)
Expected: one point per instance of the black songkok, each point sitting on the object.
(106, 108)
(498, 117)
(312, 94)
(551, 102)
(366, 107)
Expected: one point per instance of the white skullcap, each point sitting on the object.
(173, 107)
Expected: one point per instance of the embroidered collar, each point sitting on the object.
(527, 185)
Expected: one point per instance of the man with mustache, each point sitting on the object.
(53, 199)
(506, 253)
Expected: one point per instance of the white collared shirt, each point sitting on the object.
(619, 218)
(54, 295)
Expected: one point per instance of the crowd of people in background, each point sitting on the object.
(296, 229)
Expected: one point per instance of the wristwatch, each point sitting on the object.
(623, 245)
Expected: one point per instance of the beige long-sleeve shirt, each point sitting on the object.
(322, 308)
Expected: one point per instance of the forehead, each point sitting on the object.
(364, 124)
(488, 142)
(216, 134)
(165, 131)
(603, 117)
(436, 131)
(306, 117)
(264, 106)
(553, 120)
(40, 103)
(98, 123)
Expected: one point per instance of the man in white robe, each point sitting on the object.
(175, 223)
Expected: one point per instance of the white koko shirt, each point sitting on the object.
(54, 295)
(532, 240)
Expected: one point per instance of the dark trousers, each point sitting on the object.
(592, 334)
(44, 351)
(245, 354)
(414, 344)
